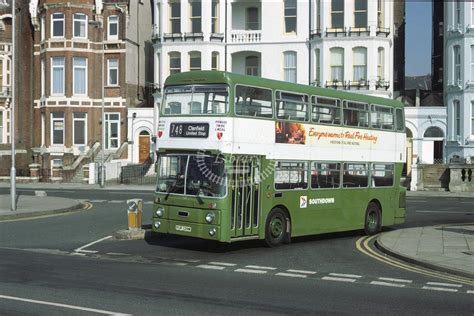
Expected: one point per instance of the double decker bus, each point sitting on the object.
(243, 157)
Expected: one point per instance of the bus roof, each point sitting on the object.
(216, 77)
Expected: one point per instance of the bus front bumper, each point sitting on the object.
(204, 231)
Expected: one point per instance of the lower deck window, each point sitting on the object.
(356, 175)
(291, 175)
(325, 175)
(382, 175)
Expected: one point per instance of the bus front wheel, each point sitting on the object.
(373, 219)
(275, 228)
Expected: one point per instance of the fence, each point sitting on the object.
(137, 174)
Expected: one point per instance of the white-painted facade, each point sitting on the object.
(459, 78)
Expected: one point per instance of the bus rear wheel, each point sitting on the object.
(275, 228)
(373, 219)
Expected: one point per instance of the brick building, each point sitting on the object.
(24, 130)
(87, 60)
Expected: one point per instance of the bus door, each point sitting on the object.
(245, 191)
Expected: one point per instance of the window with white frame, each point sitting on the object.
(43, 26)
(79, 129)
(252, 65)
(57, 128)
(175, 16)
(157, 76)
(80, 25)
(360, 13)
(79, 76)
(57, 24)
(175, 62)
(113, 71)
(290, 16)
(472, 14)
(215, 61)
(196, 16)
(57, 76)
(457, 64)
(337, 64)
(318, 14)
(472, 119)
(194, 61)
(43, 78)
(1, 127)
(360, 64)
(457, 13)
(113, 27)
(380, 63)
(215, 17)
(457, 118)
(289, 69)
(337, 14)
(380, 13)
(252, 21)
(317, 63)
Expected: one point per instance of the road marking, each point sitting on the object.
(188, 260)
(301, 271)
(362, 244)
(470, 292)
(116, 254)
(174, 263)
(211, 267)
(387, 284)
(448, 212)
(148, 202)
(346, 275)
(116, 201)
(444, 284)
(442, 289)
(81, 249)
(86, 309)
(98, 201)
(338, 279)
(223, 264)
(260, 267)
(396, 280)
(291, 275)
(251, 271)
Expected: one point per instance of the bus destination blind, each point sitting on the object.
(191, 130)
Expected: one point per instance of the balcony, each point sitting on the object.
(358, 84)
(219, 37)
(335, 84)
(315, 33)
(172, 37)
(193, 36)
(245, 37)
(336, 31)
(382, 31)
(382, 84)
(155, 34)
(5, 92)
(359, 31)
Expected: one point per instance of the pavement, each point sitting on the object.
(446, 248)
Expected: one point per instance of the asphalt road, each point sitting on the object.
(42, 271)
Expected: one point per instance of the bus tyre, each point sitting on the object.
(373, 219)
(275, 228)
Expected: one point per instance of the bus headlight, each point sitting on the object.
(160, 212)
(210, 217)
(157, 224)
(212, 232)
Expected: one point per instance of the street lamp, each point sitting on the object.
(12, 113)
(99, 25)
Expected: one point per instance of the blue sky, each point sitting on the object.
(418, 38)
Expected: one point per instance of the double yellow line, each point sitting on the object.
(87, 205)
(362, 245)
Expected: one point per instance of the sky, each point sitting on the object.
(417, 38)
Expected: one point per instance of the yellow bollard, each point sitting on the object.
(134, 213)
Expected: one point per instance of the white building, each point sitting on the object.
(459, 77)
(331, 43)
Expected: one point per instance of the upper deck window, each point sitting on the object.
(356, 114)
(292, 106)
(196, 100)
(382, 117)
(326, 110)
(253, 101)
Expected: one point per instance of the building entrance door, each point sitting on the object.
(143, 146)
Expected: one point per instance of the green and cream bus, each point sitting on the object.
(242, 157)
